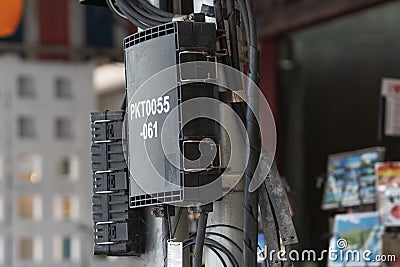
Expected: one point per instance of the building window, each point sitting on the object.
(68, 167)
(65, 167)
(26, 249)
(63, 88)
(26, 127)
(26, 87)
(65, 207)
(66, 244)
(66, 248)
(63, 128)
(29, 207)
(30, 249)
(29, 168)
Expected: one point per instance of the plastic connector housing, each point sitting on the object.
(118, 230)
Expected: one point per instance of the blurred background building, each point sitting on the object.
(49, 73)
(46, 205)
(322, 66)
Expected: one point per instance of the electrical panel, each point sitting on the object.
(118, 230)
(149, 56)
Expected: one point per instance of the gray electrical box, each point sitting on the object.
(157, 88)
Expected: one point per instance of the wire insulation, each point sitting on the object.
(200, 237)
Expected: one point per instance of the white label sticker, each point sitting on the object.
(175, 254)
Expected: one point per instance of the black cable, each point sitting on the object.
(200, 237)
(228, 253)
(146, 20)
(245, 17)
(155, 10)
(215, 244)
(223, 43)
(229, 226)
(226, 238)
(252, 23)
(123, 6)
(231, 12)
(233, 61)
(288, 262)
(115, 10)
(250, 222)
(165, 235)
(218, 255)
(209, 246)
(177, 223)
(123, 103)
(224, 225)
(222, 236)
(145, 14)
(169, 223)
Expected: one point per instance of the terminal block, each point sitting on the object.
(118, 230)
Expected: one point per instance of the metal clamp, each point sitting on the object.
(101, 121)
(236, 96)
(208, 57)
(211, 167)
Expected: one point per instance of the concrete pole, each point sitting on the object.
(227, 211)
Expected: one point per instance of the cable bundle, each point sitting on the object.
(142, 13)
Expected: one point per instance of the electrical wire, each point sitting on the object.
(221, 32)
(222, 236)
(124, 7)
(245, 17)
(115, 10)
(156, 10)
(177, 223)
(147, 20)
(231, 13)
(123, 102)
(218, 255)
(169, 223)
(192, 239)
(228, 226)
(208, 246)
(250, 221)
(143, 14)
(228, 253)
(215, 244)
(288, 262)
(200, 237)
(226, 238)
(165, 237)
(225, 225)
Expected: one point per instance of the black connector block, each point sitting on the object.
(118, 230)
